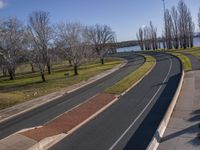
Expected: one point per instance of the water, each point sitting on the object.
(196, 41)
(137, 48)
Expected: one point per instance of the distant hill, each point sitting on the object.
(127, 43)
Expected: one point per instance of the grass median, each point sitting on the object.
(133, 77)
(29, 86)
(187, 65)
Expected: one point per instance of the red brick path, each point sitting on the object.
(70, 119)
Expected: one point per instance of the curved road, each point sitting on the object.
(52, 109)
(131, 122)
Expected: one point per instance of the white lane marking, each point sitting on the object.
(118, 140)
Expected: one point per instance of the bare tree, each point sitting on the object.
(174, 14)
(140, 37)
(3, 67)
(183, 13)
(34, 54)
(71, 39)
(190, 31)
(169, 29)
(199, 18)
(179, 27)
(147, 37)
(147, 41)
(11, 44)
(100, 36)
(39, 27)
(153, 36)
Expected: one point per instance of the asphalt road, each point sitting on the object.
(131, 122)
(51, 110)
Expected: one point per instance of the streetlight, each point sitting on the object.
(164, 9)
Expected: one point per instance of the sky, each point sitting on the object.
(124, 16)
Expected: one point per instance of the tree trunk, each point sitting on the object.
(49, 69)
(102, 61)
(70, 62)
(4, 72)
(191, 42)
(49, 66)
(32, 68)
(43, 77)
(75, 70)
(11, 75)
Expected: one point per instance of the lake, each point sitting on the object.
(137, 48)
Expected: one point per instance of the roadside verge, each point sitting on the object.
(25, 107)
(187, 65)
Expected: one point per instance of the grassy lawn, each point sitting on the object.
(195, 51)
(187, 65)
(133, 77)
(28, 86)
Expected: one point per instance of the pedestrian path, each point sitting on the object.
(183, 130)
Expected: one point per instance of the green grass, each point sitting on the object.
(29, 86)
(132, 78)
(194, 51)
(187, 65)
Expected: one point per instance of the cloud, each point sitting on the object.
(143, 26)
(2, 3)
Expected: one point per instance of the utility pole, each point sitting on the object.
(164, 9)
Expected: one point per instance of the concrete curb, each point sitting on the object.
(163, 125)
(85, 83)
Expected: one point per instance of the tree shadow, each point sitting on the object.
(194, 129)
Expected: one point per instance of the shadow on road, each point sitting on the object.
(143, 135)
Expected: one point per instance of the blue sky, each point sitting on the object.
(124, 16)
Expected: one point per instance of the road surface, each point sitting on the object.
(51, 110)
(131, 122)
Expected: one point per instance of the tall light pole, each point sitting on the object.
(164, 9)
(164, 5)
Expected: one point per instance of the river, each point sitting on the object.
(137, 48)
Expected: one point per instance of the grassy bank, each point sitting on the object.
(187, 65)
(195, 51)
(28, 86)
(133, 77)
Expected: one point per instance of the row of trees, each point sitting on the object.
(199, 18)
(147, 37)
(179, 27)
(178, 31)
(40, 41)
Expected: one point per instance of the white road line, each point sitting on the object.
(124, 133)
